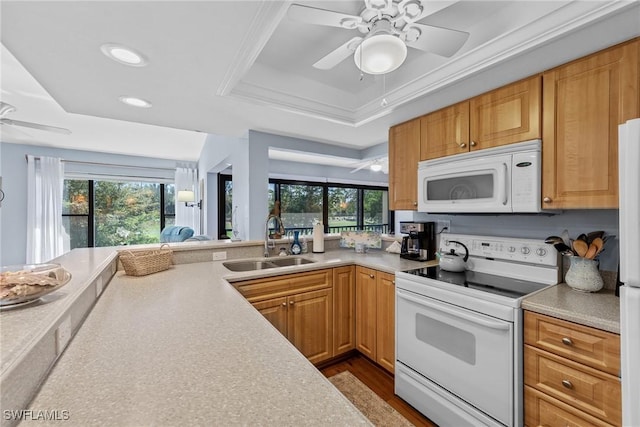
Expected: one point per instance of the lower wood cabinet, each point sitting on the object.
(344, 309)
(300, 306)
(375, 316)
(570, 374)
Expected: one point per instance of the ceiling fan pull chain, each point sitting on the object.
(384, 91)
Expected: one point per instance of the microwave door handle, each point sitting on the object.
(502, 183)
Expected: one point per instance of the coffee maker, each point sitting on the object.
(420, 244)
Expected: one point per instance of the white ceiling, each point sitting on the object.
(224, 67)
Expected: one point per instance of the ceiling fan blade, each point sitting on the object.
(35, 126)
(312, 15)
(441, 41)
(338, 55)
(360, 167)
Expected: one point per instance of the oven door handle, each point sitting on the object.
(453, 312)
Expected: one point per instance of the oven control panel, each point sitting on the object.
(500, 248)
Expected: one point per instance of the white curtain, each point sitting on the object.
(45, 180)
(187, 179)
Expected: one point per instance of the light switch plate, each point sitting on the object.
(219, 256)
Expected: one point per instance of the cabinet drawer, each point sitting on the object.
(261, 289)
(580, 386)
(542, 410)
(592, 347)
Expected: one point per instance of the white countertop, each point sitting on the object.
(183, 346)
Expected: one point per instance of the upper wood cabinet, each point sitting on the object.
(404, 154)
(584, 102)
(506, 115)
(445, 132)
(503, 116)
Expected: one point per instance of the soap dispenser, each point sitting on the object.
(296, 248)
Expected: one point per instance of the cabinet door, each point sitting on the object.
(386, 321)
(445, 132)
(275, 311)
(404, 154)
(344, 306)
(506, 115)
(366, 311)
(310, 323)
(583, 104)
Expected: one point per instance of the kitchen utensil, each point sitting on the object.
(580, 247)
(583, 237)
(599, 244)
(552, 240)
(594, 235)
(565, 237)
(563, 249)
(591, 252)
(454, 262)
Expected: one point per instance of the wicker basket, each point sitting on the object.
(141, 262)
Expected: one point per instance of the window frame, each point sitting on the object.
(224, 178)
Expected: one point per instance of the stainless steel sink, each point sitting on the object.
(264, 263)
(287, 261)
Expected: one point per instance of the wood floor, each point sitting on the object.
(380, 382)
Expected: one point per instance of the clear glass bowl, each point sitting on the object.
(22, 284)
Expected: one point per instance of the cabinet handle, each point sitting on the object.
(567, 341)
(372, 276)
(284, 304)
(415, 203)
(291, 302)
(547, 200)
(473, 143)
(393, 282)
(462, 145)
(567, 384)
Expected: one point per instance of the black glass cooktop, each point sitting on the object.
(499, 285)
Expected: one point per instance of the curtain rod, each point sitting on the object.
(108, 164)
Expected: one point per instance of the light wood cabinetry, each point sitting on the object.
(583, 103)
(570, 373)
(375, 316)
(503, 116)
(445, 132)
(404, 154)
(300, 306)
(344, 307)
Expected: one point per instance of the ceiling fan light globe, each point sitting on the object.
(380, 54)
(376, 167)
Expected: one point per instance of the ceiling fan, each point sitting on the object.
(387, 27)
(378, 164)
(8, 108)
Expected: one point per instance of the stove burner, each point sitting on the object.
(499, 285)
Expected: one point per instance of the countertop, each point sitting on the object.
(599, 310)
(183, 346)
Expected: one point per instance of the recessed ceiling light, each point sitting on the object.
(123, 55)
(135, 102)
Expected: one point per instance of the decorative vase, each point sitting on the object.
(583, 275)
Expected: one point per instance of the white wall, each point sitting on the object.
(252, 168)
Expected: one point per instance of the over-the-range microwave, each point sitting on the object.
(500, 179)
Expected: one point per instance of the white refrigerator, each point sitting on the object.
(629, 170)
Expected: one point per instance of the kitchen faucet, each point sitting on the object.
(270, 243)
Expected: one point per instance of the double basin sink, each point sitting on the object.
(264, 263)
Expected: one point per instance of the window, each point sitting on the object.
(109, 213)
(341, 207)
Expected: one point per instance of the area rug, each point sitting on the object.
(379, 412)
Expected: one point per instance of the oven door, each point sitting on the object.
(472, 185)
(466, 353)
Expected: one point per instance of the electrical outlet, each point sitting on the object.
(441, 224)
(219, 256)
(63, 335)
(98, 287)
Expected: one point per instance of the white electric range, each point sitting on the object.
(459, 336)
